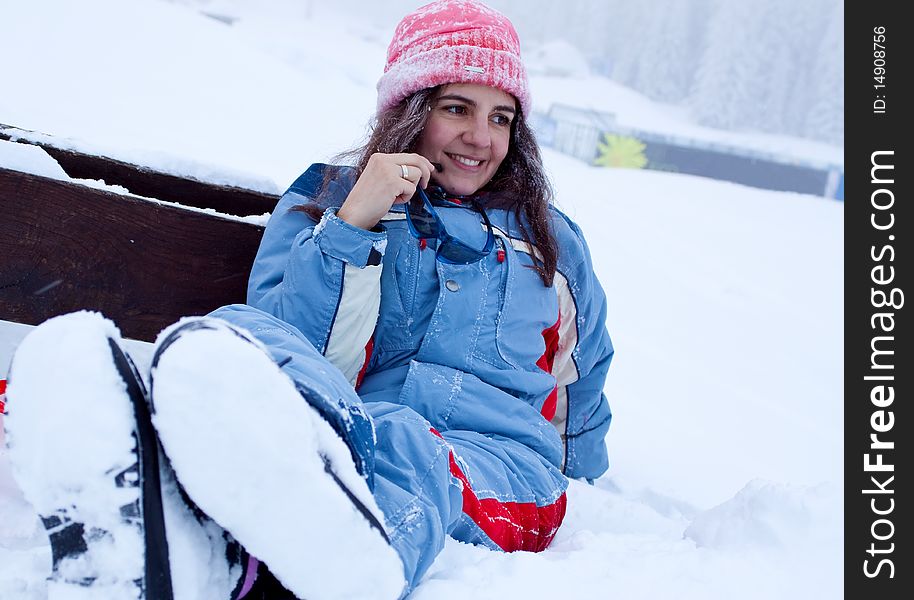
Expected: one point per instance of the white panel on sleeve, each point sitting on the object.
(356, 318)
(564, 369)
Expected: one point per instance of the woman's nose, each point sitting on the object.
(477, 133)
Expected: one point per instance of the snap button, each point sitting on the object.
(452, 285)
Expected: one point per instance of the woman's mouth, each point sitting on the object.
(464, 161)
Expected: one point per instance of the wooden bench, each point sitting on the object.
(66, 246)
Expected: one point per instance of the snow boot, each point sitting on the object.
(205, 561)
(74, 402)
(85, 455)
(255, 456)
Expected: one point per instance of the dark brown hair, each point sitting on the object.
(519, 184)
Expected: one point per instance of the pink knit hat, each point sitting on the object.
(453, 41)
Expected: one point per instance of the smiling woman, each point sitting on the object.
(422, 353)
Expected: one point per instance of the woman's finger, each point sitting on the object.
(407, 188)
(425, 169)
(410, 173)
(411, 159)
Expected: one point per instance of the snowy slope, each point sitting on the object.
(725, 302)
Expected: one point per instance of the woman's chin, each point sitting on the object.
(460, 187)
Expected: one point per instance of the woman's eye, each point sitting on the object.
(456, 109)
(501, 120)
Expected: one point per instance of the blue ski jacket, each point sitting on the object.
(408, 329)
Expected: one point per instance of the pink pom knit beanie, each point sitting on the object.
(453, 41)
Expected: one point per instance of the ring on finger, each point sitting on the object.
(404, 171)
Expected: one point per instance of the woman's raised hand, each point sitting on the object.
(388, 179)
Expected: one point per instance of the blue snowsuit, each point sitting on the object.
(479, 389)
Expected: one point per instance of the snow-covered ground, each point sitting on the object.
(725, 302)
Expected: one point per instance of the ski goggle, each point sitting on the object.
(424, 223)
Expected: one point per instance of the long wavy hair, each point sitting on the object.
(520, 183)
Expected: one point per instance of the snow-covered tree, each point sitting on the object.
(825, 116)
(768, 65)
(671, 52)
(727, 78)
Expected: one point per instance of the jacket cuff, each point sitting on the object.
(348, 243)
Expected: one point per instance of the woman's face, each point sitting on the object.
(468, 133)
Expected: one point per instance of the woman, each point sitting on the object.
(422, 355)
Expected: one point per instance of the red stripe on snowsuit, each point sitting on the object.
(513, 526)
(551, 337)
(369, 347)
(2, 396)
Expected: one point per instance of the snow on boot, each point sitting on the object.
(74, 402)
(254, 455)
(205, 561)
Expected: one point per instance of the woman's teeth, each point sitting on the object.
(465, 161)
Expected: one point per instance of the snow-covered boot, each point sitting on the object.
(74, 402)
(252, 453)
(85, 455)
(205, 561)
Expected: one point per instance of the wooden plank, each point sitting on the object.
(66, 247)
(153, 184)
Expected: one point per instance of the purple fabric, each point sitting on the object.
(250, 576)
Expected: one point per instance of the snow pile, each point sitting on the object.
(30, 159)
(34, 160)
(615, 543)
(767, 515)
(167, 85)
